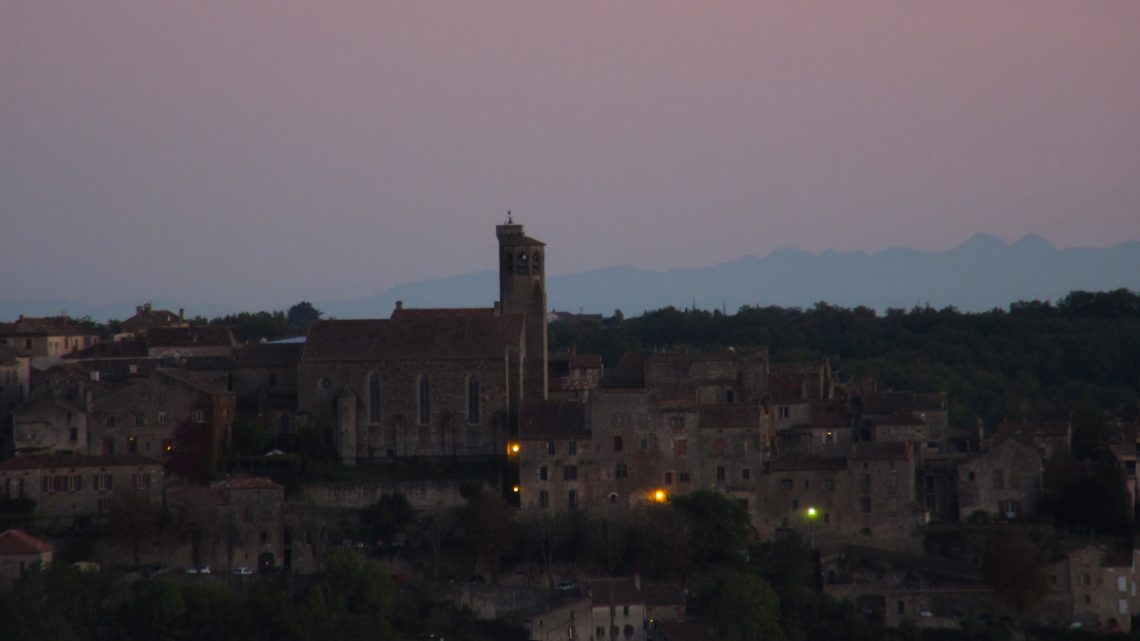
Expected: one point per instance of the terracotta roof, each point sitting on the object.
(787, 387)
(20, 543)
(111, 349)
(607, 592)
(428, 338)
(269, 355)
(829, 413)
(629, 373)
(56, 461)
(238, 483)
(739, 416)
(145, 317)
(543, 420)
(196, 336)
(408, 313)
(807, 463)
(46, 326)
(881, 451)
(900, 418)
(189, 379)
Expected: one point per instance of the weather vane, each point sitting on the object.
(509, 217)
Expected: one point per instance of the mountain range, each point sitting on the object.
(978, 275)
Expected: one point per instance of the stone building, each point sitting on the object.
(555, 456)
(265, 383)
(143, 416)
(46, 426)
(66, 487)
(190, 341)
(51, 337)
(235, 522)
(1004, 482)
(20, 553)
(432, 382)
(572, 375)
(1092, 586)
(618, 609)
(146, 318)
(15, 379)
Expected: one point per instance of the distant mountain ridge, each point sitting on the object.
(980, 274)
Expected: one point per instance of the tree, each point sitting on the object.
(388, 516)
(300, 315)
(135, 520)
(491, 529)
(1015, 566)
(748, 610)
(719, 524)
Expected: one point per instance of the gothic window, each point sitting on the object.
(472, 400)
(536, 262)
(373, 398)
(425, 400)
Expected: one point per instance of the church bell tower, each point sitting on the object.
(522, 290)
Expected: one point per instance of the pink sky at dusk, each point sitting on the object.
(257, 153)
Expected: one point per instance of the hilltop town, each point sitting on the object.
(588, 500)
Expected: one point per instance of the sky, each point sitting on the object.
(262, 152)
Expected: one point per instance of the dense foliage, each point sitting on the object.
(1034, 361)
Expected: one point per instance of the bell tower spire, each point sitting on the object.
(522, 290)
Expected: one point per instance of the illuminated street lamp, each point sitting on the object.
(515, 489)
(512, 448)
(659, 496)
(812, 515)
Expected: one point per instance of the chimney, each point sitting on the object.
(399, 304)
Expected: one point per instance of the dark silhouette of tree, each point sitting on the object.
(1015, 567)
(300, 315)
(489, 522)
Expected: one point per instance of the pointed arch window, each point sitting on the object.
(373, 398)
(425, 400)
(472, 400)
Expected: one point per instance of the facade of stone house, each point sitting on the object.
(1090, 585)
(239, 521)
(1004, 482)
(1053, 440)
(567, 620)
(68, 486)
(146, 317)
(618, 609)
(572, 375)
(883, 487)
(556, 463)
(792, 486)
(20, 553)
(15, 381)
(50, 337)
(143, 416)
(264, 382)
(931, 408)
(48, 426)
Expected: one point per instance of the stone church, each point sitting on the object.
(432, 382)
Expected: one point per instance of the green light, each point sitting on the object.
(811, 513)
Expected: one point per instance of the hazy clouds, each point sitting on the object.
(260, 152)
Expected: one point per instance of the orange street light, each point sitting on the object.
(660, 496)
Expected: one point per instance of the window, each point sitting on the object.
(140, 481)
(550, 448)
(729, 397)
(1121, 584)
(199, 416)
(472, 400)
(644, 444)
(745, 474)
(140, 419)
(570, 473)
(73, 434)
(373, 398)
(572, 448)
(74, 483)
(865, 504)
(783, 411)
(425, 400)
(132, 369)
(601, 632)
(807, 484)
(536, 262)
(787, 484)
(617, 444)
(681, 446)
(684, 477)
(720, 472)
(668, 478)
(865, 483)
(998, 479)
(677, 423)
(543, 473)
(109, 421)
(162, 418)
(827, 484)
(108, 446)
(543, 498)
(621, 471)
(971, 476)
(572, 498)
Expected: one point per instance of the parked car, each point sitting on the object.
(242, 570)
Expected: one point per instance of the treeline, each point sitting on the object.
(1037, 360)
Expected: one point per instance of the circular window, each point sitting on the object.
(326, 384)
